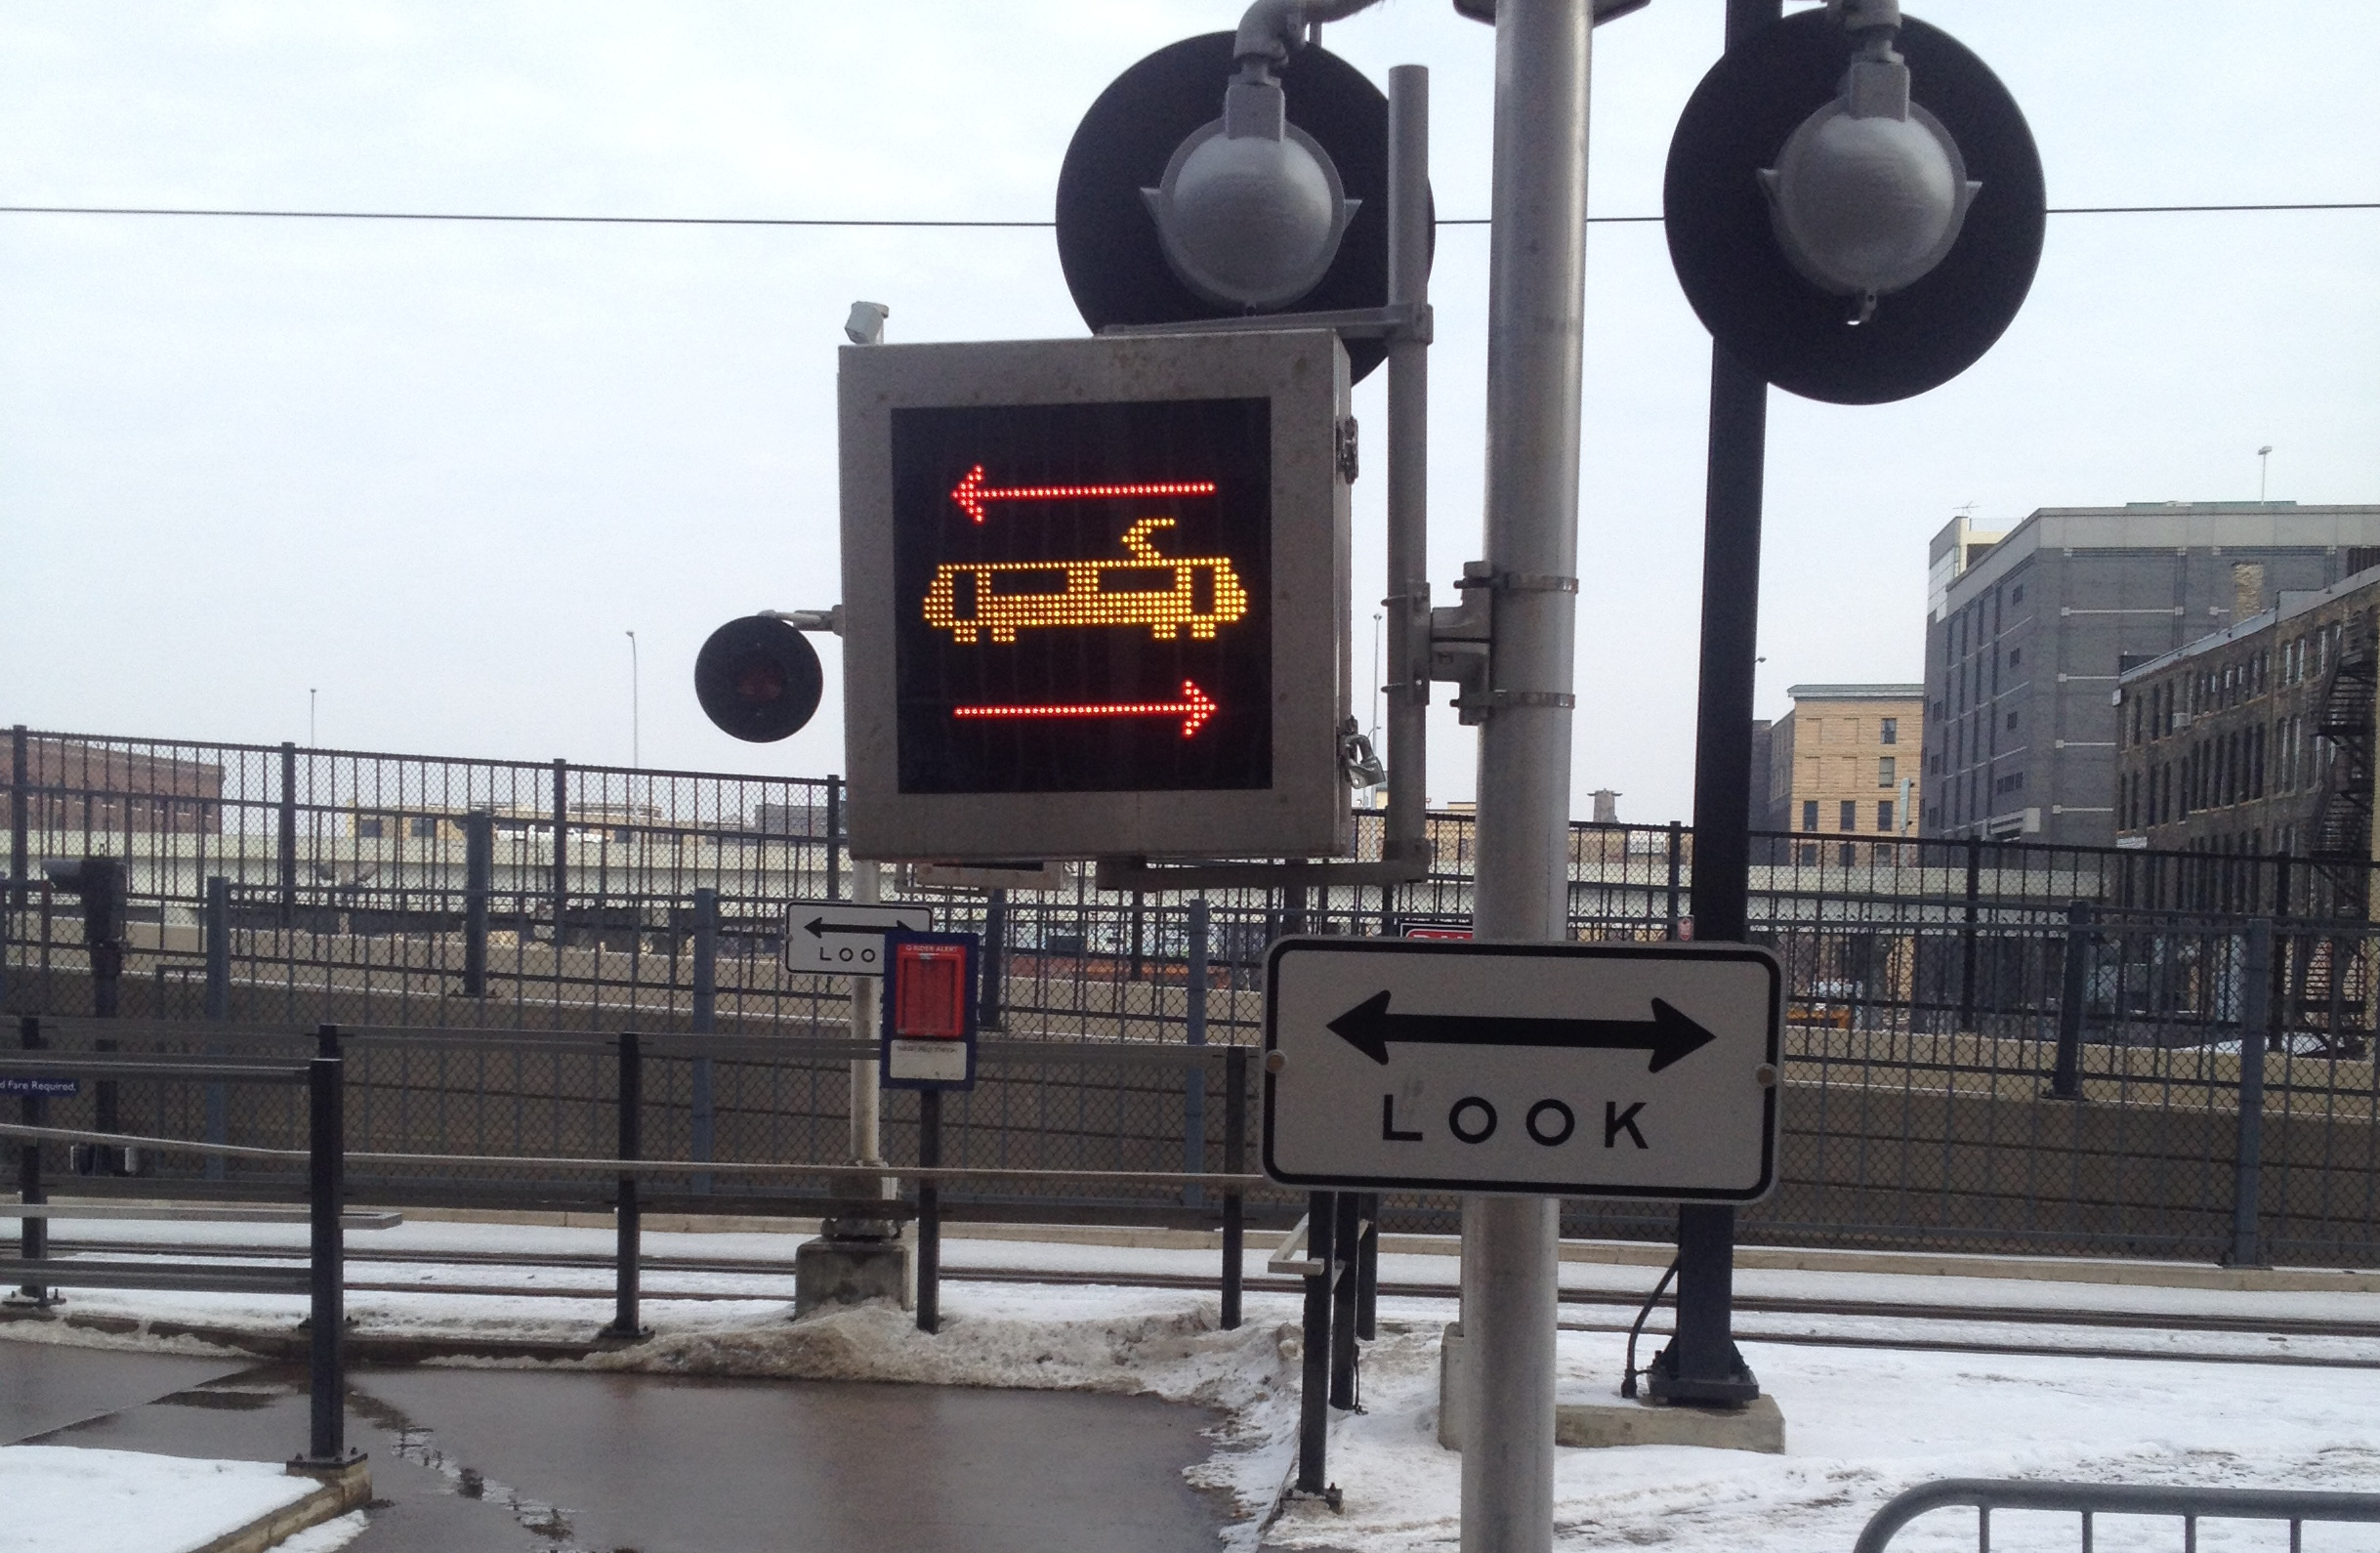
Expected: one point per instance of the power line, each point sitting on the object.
(864, 223)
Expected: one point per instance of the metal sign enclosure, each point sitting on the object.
(1094, 597)
(844, 936)
(1567, 1069)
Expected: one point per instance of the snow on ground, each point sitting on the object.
(1863, 1423)
(127, 1501)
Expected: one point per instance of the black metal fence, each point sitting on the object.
(1991, 1046)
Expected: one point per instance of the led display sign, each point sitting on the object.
(1094, 597)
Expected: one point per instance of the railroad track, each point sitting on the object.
(2278, 1328)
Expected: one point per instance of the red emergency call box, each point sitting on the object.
(929, 1010)
(930, 991)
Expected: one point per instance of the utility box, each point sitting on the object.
(1096, 596)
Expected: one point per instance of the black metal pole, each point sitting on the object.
(560, 883)
(2247, 1161)
(1194, 1031)
(2066, 1080)
(287, 835)
(929, 1212)
(33, 1235)
(702, 1107)
(1314, 1386)
(327, 1199)
(1235, 1160)
(627, 1324)
(1967, 943)
(1669, 928)
(1701, 1363)
(1367, 1269)
(478, 879)
(834, 839)
(1346, 1238)
(992, 990)
(20, 792)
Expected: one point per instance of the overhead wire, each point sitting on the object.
(955, 224)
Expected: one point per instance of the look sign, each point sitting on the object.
(1563, 1070)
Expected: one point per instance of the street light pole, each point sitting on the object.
(635, 742)
(1536, 300)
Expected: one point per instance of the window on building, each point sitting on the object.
(2016, 656)
(1810, 814)
(1884, 770)
(1888, 730)
(1884, 816)
(2012, 720)
(367, 828)
(2015, 595)
(423, 827)
(1849, 818)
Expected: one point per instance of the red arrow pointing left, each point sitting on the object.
(1195, 708)
(974, 494)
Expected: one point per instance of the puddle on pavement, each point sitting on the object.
(415, 1443)
(226, 1398)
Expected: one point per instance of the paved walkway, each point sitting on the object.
(507, 1461)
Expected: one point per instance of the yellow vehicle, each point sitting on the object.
(1167, 594)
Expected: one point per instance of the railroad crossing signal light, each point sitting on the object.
(758, 679)
(1094, 597)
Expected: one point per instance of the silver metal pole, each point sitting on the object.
(1408, 598)
(866, 1147)
(1536, 300)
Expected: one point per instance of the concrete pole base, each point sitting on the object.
(838, 1270)
(1754, 1425)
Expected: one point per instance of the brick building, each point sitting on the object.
(2028, 631)
(2258, 739)
(1845, 759)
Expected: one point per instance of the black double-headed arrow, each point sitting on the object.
(820, 927)
(1370, 1027)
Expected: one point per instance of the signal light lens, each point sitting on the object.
(758, 679)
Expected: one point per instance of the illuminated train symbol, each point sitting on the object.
(1166, 594)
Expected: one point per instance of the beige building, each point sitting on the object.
(1845, 759)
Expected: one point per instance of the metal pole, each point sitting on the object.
(1536, 279)
(929, 1213)
(834, 839)
(1346, 1237)
(562, 851)
(701, 1108)
(2255, 1027)
(1408, 516)
(19, 787)
(1235, 1160)
(992, 991)
(866, 1099)
(218, 1008)
(1368, 1269)
(288, 836)
(478, 879)
(1967, 946)
(627, 1321)
(2066, 1079)
(1193, 1030)
(1701, 1365)
(327, 1199)
(33, 1235)
(1313, 1378)
(1677, 848)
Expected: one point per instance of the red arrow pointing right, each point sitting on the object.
(1195, 708)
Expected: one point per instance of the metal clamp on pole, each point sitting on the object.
(1459, 639)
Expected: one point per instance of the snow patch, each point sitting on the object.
(128, 1501)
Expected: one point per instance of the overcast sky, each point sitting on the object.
(437, 470)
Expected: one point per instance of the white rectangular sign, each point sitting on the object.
(844, 936)
(1563, 1069)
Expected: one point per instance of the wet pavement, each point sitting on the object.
(505, 1461)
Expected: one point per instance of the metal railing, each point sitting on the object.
(1992, 1047)
(2089, 1500)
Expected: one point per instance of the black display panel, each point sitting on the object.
(1082, 597)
